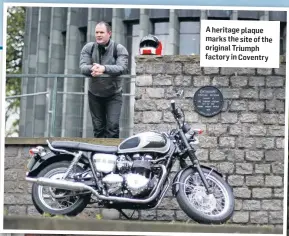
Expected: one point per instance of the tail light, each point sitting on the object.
(38, 150)
(33, 151)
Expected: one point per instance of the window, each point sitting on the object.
(189, 37)
(83, 35)
(161, 30)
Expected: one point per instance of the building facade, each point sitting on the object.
(53, 41)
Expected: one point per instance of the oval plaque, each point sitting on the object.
(208, 101)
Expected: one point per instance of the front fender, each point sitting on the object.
(49, 158)
(176, 181)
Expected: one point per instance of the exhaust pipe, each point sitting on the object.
(61, 184)
(67, 185)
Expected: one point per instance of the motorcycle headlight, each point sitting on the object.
(186, 128)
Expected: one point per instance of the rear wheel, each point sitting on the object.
(57, 201)
(194, 201)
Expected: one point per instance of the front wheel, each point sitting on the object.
(56, 201)
(216, 208)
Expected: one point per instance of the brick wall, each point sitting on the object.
(245, 141)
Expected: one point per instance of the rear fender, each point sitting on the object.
(49, 158)
(176, 181)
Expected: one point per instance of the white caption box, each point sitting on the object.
(236, 43)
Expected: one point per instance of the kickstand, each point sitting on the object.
(125, 215)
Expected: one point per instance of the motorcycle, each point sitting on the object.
(134, 175)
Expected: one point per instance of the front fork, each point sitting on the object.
(195, 161)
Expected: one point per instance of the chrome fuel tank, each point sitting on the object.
(145, 142)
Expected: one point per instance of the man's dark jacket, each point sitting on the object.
(104, 86)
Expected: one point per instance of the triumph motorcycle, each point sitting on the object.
(134, 175)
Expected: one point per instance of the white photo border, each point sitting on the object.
(2, 112)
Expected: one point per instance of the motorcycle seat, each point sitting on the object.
(83, 147)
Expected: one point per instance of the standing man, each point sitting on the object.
(104, 57)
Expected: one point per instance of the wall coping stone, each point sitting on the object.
(178, 58)
(42, 141)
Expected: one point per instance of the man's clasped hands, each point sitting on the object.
(97, 69)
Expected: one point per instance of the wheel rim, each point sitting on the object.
(214, 205)
(64, 199)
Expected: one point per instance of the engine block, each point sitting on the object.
(136, 183)
(127, 175)
(124, 174)
(123, 165)
(114, 183)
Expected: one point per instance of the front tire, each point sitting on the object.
(51, 171)
(203, 209)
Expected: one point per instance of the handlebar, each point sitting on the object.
(179, 115)
(175, 110)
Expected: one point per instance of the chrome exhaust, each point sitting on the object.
(62, 184)
(67, 185)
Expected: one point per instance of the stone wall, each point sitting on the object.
(17, 192)
(245, 141)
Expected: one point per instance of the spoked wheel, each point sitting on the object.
(193, 199)
(57, 201)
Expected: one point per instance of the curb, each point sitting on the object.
(42, 223)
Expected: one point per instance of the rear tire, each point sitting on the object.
(196, 214)
(37, 199)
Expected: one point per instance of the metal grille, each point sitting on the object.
(61, 108)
